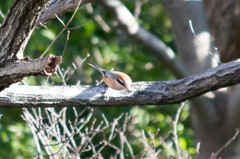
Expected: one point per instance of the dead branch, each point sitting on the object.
(60, 136)
(142, 93)
(13, 72)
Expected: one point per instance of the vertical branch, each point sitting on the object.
(18, 26)
(175, 136)
(1, 14)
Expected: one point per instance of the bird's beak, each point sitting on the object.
(128, 89)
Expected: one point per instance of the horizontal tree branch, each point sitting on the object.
(13, 72)
(142, 93)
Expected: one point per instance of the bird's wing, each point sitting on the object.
(111, 74)
(115, 76)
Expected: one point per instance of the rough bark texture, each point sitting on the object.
(142, 93)
(17, 28)
(15, 32)
(223, 17)
(13, 72)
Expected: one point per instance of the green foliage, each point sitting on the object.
(109, 50)
(16, 140)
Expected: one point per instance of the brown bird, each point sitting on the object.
(114, 79)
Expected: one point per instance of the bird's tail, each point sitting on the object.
(97, 68)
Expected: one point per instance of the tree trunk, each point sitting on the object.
(223, 17)
(212, 132)
(17, 28)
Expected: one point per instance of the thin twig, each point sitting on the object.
(72, 71)
(137, 9)
(65, 28)
(212, 54)
(76, 27)
(198, 148)
(35, 138)
(98, 19)
(1, 14)
(60, 20)
(67, 39)
(61, 75)
(175, 136)
(214, 155)
(44, 26)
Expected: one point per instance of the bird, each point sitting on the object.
(114, 79)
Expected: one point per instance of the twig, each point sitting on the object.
(35, 138)
(72, 71)
(214, 155)
(175, 136)
(65, 28)
(61, 75)
(102, 23)
(1, 14)
(60, 20)
(67, 39)
(30, 121)
(137, 9)
(98, 19)
(43, 25)
(212, 54)
(151, 152)
(198, 148)
(76, 27)
(123, 137)
(111, 136)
